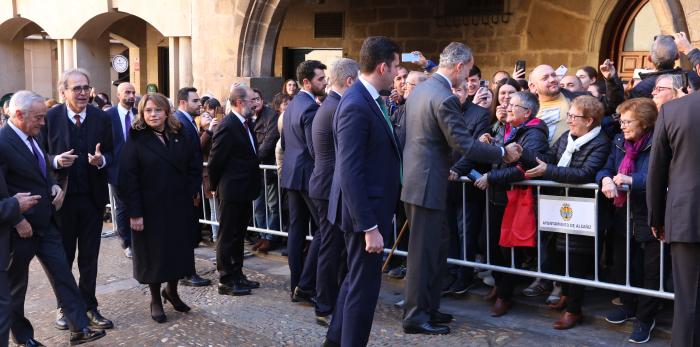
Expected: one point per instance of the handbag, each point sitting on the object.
(518, 226)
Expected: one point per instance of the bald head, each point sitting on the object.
(126, 93)
(571, 83)
(543, 81)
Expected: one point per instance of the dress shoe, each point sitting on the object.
(567, 320)
(256, 245)
(157, 313)
(248, 283)
(61, 323)
(195, 281)
(324, 321)
(31, 343)
(500, 307)
(437, 317)
(329, 343)
(175, 300)
(302, 295)
(559, 305)
(492, 295)
(97, 321)
(427, 329)
(86, 335)
(398, 272)
(128, 253)
(233, 289)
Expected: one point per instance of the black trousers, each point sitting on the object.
(233, 223)
(506, 282)
(46, 245)
(81, 227)
(580, 266)
(121, 217)
(494, 256)
(427, 263)
(686, 283)
(332, 261)
(5, 308)
(301, 212)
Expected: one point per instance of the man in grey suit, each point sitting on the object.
(675, 152)
(435, 124)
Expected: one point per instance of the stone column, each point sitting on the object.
(12, 67)
(185, 61)
(174, 73)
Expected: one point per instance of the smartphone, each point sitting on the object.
(474, 175)
(409, 57)
(520, 65)
(561, 70)
(484, 84)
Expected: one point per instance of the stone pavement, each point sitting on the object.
(268, 318)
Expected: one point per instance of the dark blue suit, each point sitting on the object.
(364, 193)
(296, 171)
(331, 267)
(9, 213)
(23, 174)
(192, 136)
(119, 212)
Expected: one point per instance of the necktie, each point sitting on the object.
(39, 158)
(77, 120)
(382, 107)
(246, 124)
(127, 124)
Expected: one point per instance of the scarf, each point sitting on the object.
(632, 151)
(573, 146)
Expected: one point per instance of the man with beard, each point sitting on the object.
(554, 100)
(188, 109)
(296, 172)
(234, 173)
(122, 115)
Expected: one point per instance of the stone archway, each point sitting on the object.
(261, 24)
(27, 55)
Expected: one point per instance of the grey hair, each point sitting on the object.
(419, 76)
(676, 80)
(454, 54)
(237, 93)
(664, 52)
(341, 69)
(23, 101)
(63, 81)
(529, 100)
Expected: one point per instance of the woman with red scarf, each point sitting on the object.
(627, 165)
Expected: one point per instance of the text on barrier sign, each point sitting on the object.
(565, 214)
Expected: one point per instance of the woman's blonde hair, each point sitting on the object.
(172, 124)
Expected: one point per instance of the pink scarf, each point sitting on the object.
(632, 151)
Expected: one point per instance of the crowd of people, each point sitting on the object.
(368, 146)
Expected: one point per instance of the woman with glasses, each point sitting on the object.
(532, 134)
(627, 165)
(574, 158)
(156, 165)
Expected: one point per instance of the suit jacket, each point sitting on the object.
(118, 139)
(192, 137)
(296, 142)
(9, 213)
(324, 150)
(56, 140)
(233, 167)
(435, 123)
(674, 164)
(22, 174)
(366, 179)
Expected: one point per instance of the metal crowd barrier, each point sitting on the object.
(512, 269)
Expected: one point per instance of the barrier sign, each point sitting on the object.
(565, 214)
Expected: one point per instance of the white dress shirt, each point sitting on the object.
(122, 116)
(26, 139)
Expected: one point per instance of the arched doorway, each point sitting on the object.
(631, 31)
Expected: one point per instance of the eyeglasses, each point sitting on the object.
(626, 123)
(661, 88)
(572, 116)
(412, 84)
(523, 107)
(78, 89)
(257, 99)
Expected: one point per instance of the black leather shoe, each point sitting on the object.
(61, 323)
(302, 295)
(437, 317)
(329, 343)
(233, 289)
(427, 329)
(86, 335)
(97, 321)
(324, 321)
(177, 303)
(31, 343)
(195, 281)
(249, 284)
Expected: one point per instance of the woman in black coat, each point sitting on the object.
(575, 158)
(157, 173)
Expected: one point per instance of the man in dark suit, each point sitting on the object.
(296, 172)
(267, 204)
(433, 114)
(235, 174)
(330, 269)
(27, 169)
(121, 115)
(188, 109)
(673, 217)
(365, 189)
(85, 132)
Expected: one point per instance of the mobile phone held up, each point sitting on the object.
(561, 71)
(484, 84)
(409, 58)
(520, 65)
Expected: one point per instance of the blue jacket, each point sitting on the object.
(641, 229)
(118, 142)
(192, 136)
(324, 149)
(296, 141)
